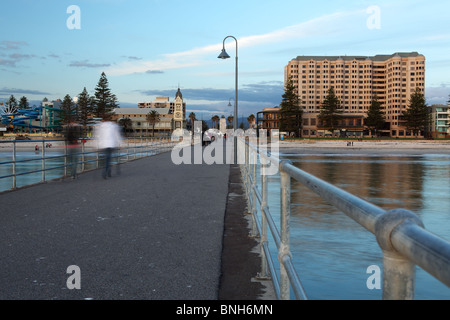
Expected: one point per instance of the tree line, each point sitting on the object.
(416, 116)
(100, 105)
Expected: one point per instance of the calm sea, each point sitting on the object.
(332, 252)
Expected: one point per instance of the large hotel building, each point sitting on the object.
(356, 79)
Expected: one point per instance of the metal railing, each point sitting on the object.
(400, 233)
(130, 149)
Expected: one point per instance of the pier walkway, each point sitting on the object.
(156, 231)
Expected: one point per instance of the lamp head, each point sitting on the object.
(223, 54)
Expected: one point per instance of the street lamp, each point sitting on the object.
(224, 55)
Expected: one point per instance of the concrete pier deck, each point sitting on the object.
(157, 231)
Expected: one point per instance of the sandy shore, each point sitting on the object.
(28, 146)
(300, 146)
(365, 147)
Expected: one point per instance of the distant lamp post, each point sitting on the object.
(224, 55)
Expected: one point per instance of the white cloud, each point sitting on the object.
(324, 25)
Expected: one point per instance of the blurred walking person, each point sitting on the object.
(72, 147)
(108, 137)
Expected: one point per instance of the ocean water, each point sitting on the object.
(332, 252)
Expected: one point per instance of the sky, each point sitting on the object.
(150, 48)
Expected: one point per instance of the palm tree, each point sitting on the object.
(251, 119)
(192, 118)
(153, 117)
(215, 119)
(230, 121)
(126, 123)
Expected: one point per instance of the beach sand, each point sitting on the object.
(298, 146)
(29, 145)
(364, 147)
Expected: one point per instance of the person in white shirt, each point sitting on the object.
(108, 137)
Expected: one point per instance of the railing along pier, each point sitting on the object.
(400, 233)
(130, 149)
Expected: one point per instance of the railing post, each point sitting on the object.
(43, 161)
(398, 271)
(253, 191)
(14, 165)
(263, 240)
(65, 159)
(82, 157)
(285, 201)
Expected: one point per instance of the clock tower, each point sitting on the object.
(179, 112)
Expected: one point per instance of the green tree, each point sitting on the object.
(23, 103)
(251, 119)
(375, 116)
(290, 112)
(12, 104)
(416, 116)
(153, 117)
(330, 111)
(85, 108)
(230, 122)
(68, 110)
(215, 120)
(192, 118)
(105, 101)
(126, 124)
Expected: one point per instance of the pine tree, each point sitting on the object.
(375, 117)
(330, 111)
(290, 112)
(23, 103)
(68, 110)
(416, 115)
(85, 108)
(105, 101)
(12, 103)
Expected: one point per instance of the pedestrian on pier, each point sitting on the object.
(108, 137)
(72, 147)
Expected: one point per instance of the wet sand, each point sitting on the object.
(364, 147)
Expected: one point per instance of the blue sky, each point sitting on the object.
(149, 48)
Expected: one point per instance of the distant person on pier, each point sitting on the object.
(108, 137)
(73, 147)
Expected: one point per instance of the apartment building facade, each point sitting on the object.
(439, 121)
(356, 80)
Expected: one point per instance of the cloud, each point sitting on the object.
(12, 45)
(437, 95)
(7, 63)
(11, 59)
(263, 92)
(324, 25)
(132, 58)
(86, 64)
(154, 71)
(12, 91)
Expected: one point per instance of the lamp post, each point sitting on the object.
(224, 55)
